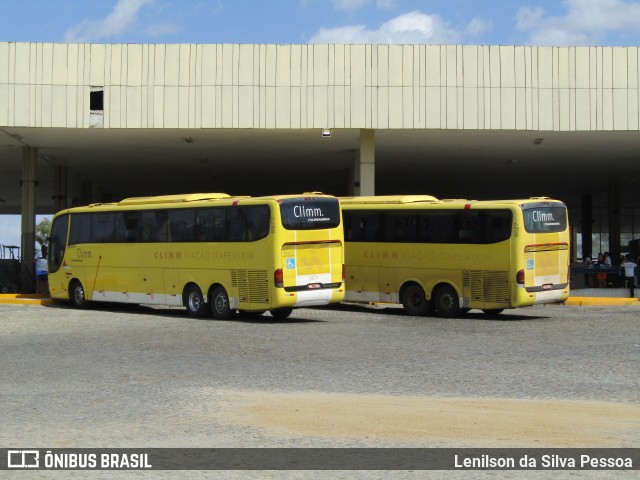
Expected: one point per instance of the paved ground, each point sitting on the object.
(354, 377)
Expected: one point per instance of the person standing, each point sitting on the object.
(588, 272)
(629, 274)
(42, 272)
(601, 276)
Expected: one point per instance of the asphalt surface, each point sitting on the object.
(135, 376)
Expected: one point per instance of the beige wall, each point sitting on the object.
(322, 86)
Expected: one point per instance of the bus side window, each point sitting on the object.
(469, 230)
(443, 226)
(372, 228)
(362, 226)
(236, 224)
(102, 227)
(131, 224)
(425, 234)
(354, 223)
(80, 228)
(210, 224)
(160, 226)
(258, 219)
(120, 229)
(182, 225)
(148, 228)
(497, 225)
(162, 222)
(400, 227)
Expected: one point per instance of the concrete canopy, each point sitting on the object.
(119, 163)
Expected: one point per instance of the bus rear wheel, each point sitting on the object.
(194, 301)
(220, 305)
(414, 300)
(281, 313)
(447, 301)
(77, 295)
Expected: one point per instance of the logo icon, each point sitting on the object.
(23, 458)
(291, 263)
(530, 264)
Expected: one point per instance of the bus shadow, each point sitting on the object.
(397, 310)
(178, 312)
(501, 317)
(377, 309)
(268, 320)
(295, 318)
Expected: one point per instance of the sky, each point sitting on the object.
(479, 22)
(513, 22)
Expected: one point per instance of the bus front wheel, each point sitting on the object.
(194, 301)
(220, 305)
(77, 295)
(447, 301)
(414, 300)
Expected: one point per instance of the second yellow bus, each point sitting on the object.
(450, 256)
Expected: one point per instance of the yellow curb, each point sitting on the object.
(25, 299)
(23, 295)
(600, 301)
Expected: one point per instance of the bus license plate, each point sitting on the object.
(547, 286)
(314, 285)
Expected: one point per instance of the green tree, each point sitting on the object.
(43, 230)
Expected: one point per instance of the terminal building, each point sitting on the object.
(87, 123)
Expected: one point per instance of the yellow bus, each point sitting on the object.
(211, 253)
(450, 256)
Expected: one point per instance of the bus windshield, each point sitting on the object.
(545, 218)
(310, 213)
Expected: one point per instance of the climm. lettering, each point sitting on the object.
(299, 211)
(159, 255)
(542, 217)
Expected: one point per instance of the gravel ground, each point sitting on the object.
(128, 376)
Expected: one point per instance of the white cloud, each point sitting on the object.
(478, 26)
(162, 29)
(386, 4)
(409, 28)
(122, 17)
(585, 23)
(349, 4)
(527, 18)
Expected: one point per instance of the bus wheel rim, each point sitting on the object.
(78, 294)
(194, 301)
(446, 301)
(220, 303)
(415, 299)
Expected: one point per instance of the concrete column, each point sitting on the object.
(354, 175)
(28, 206)
(364, 170)
(587, 226)
(60, 188)
(615, 205)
